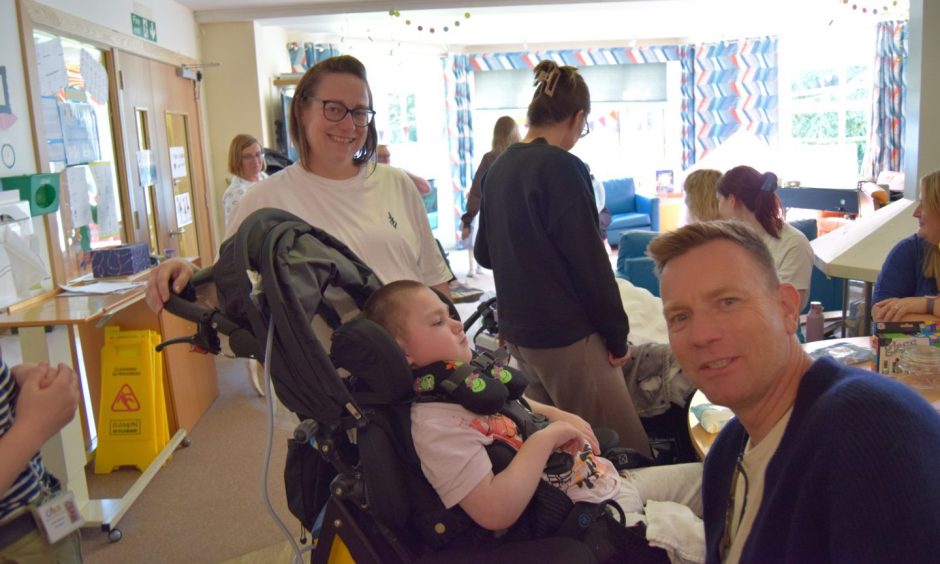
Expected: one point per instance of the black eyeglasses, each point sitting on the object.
(336, 111)
(586, 129)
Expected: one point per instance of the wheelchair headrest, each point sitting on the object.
(369, 352)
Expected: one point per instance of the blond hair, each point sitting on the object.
(702, 199)
(505, 133)
(930, 199)
(674, 244)
(239, 143)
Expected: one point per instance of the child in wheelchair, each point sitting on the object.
(452, 439)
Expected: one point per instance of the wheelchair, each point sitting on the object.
(352, 476)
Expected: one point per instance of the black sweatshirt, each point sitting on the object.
(539, 233)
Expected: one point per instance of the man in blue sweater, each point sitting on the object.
(823, 462)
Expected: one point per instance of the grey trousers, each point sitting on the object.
(578, 378)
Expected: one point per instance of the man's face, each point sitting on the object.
(429, 334)
(729, 330)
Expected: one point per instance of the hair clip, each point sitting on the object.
(769, 184)
(548, 81)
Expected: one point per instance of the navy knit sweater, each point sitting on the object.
(856, 477)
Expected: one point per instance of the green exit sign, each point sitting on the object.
(142, 27)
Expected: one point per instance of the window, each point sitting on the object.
(630, 117)
(826, 92)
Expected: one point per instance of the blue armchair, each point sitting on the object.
(628, 210)
(632, 262)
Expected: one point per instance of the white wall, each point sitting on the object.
(19, 136)
(273, 60)
(176, 26)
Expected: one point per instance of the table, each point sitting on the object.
(189, 380)
(702, 440)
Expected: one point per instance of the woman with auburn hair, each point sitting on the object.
(750, 196)
(336, 186)
(559, 306)
(246, 165)
(701, 198)
(505, 133)
(907, 283)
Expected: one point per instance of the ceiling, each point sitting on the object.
(529, 23)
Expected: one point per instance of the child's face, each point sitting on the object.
(428, 333)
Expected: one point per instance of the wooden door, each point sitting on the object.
(160, 113)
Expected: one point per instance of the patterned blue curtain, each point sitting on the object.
(457, 76)
(885, 149)
(735, 86)
(687, 86)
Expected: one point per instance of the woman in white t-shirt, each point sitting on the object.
(335, 185)
(246, 165)
(749, 196)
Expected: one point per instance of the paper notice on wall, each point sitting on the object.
(76, 180)
(107, 210)
(184, 210)
(95, 76)
(52, 126)
(178, 162)
(145, 168)
(50, 60)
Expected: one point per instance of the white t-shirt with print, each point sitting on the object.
(793, 256)
(451, 443)
(377, 213)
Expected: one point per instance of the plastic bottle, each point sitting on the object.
(814, 322)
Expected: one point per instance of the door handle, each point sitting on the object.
(181, 231)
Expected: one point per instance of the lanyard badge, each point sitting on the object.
(58, 516)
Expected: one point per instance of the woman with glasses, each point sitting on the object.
(559, 306)
(336, 186)
(246, 164)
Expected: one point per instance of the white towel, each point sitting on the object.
(677, 530)
(647, 324)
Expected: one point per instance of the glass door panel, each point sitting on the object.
(177, 135)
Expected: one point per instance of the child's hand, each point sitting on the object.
(566, 437)
(587, 432)
(47, 400)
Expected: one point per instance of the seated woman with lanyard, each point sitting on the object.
(907, 284)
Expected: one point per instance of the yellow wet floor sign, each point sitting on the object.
(132, 425)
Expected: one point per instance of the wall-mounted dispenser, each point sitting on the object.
(40, 190)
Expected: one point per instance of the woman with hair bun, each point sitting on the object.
(749, 196)
(559, 306)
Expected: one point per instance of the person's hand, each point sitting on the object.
(895, 309)
(23, 372)
(587, 432)
(175, 270)
(464, 232)
(618, 361)
(47, 400)
(566, 437)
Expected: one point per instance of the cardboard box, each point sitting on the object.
(889, 340)
(120, 261)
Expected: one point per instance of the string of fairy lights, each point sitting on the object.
(424, 26)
